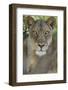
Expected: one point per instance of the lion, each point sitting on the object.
(39, 48)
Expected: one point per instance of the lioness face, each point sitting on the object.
(41, 35)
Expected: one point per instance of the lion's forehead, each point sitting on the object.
(41, 26)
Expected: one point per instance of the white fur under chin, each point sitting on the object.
(40, 53)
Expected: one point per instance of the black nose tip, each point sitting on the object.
(40, 45)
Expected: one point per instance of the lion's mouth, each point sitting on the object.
(40, 52)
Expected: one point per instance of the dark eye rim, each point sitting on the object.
(35, 32)
(46, 33)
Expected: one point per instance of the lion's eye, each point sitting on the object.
(46, 33)
(35, 32)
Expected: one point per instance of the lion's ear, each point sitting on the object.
(51, 22)
(30, 20)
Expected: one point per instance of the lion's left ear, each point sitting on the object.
(51, 22)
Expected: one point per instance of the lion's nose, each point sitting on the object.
(40, 45)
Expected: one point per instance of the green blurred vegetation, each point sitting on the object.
(36, 17)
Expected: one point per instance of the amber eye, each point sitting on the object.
(46, 33)
(35, 32)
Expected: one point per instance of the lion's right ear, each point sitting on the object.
(51, 22)
(30, 21)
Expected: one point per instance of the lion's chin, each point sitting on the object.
(40, 53)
